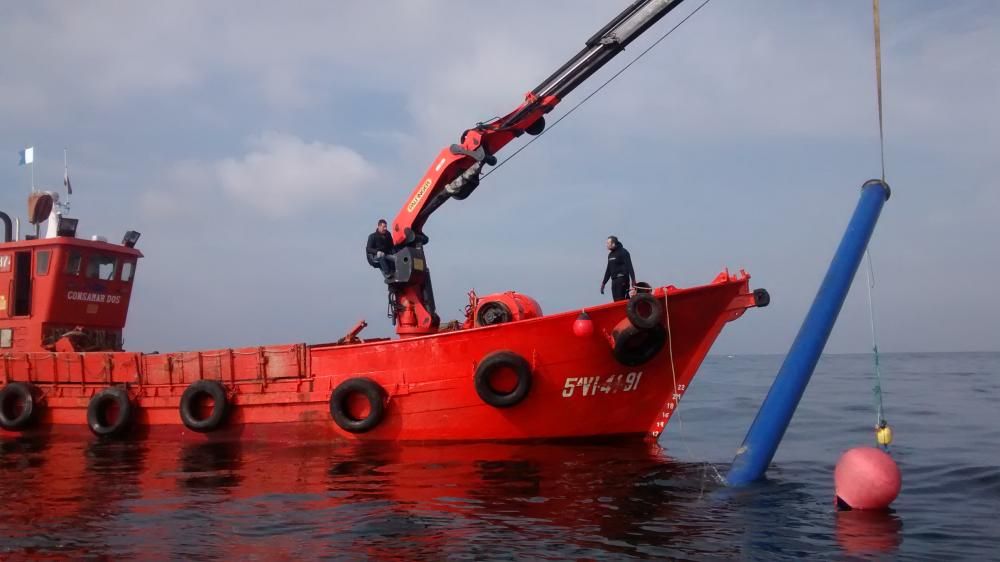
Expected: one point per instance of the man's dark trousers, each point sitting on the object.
(619, 288)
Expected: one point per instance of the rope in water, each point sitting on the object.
(880, 421)
(883, 434)
(676, 396)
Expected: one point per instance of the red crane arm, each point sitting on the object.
(455, 171)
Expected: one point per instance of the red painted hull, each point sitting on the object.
(578, 388)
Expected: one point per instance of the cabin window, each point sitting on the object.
(22, 283)
(42, 262)
(101, 267)
(127, 271)
(73, 263)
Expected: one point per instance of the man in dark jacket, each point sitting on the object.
(619, 270)
(379, 248)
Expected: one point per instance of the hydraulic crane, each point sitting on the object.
(456, 171)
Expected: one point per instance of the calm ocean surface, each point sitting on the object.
(66, 499)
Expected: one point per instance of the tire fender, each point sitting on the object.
(372, 392)
(633, 346)
(26, 394)
(220, 408)
(97, 412)
(498, 360)
(644, 311)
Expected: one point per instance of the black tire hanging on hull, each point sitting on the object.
(18, 407)
(189, 406)
(644, 311)
(498, 360)
(373, 393)
(99, 408)
(633, 346)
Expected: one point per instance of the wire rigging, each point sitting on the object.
(599, 88)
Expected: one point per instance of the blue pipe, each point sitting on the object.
(761, 442)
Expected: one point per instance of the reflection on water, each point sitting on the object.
(211, 467)
(219, 500)
(72, 498)
(867, 532)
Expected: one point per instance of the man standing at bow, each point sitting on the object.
(619, 270)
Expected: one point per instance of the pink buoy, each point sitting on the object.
(866, 478)
(583, 326)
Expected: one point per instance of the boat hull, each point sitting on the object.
(578, 388)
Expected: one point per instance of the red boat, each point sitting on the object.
(508, 372)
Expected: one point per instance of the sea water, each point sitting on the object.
(76, 499)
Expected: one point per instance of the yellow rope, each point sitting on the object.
(878, 82)
(883, 433)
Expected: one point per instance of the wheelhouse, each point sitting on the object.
(65, 288)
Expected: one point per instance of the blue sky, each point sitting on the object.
(255, 147)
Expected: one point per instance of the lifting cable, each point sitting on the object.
(676, 398)
(880, 422)
(878, 83)
(599, 88)
(883, 433)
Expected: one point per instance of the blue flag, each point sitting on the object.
(27, 156)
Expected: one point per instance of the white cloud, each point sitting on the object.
(284, 174)
(279, 176)
(746, 69)
(159, 204)
(101, 54)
